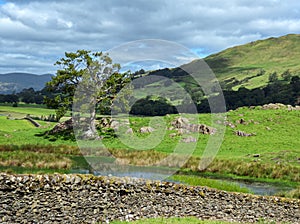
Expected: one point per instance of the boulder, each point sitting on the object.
(115, 125)
(180, 122)
(146, 130)
(189, 139)
(129, 131)
(243, 134)
(60, 127)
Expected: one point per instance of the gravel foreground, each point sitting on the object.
(61, 198)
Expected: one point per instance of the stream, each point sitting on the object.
(258, 188)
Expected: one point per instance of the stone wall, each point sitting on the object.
(90, 199)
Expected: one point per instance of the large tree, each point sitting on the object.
(92, 77)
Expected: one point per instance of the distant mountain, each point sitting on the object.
(15, 82)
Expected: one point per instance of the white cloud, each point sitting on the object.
(44, 30)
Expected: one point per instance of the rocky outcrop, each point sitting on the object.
(146, 130)
(61, 127)
(89, 199)
(183, 125)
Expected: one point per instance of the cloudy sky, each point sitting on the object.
(34, 34)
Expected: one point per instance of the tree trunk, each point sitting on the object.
(91, 131)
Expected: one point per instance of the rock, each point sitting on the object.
(243, 134)
(115, 125)
(146, 130)
(172, 135)
(129, 131)
(273, 106)
(182, 125)
(189, 139)
(182, 131)
(66, 125)
(241, 121)
(229, 124)
(180, 122)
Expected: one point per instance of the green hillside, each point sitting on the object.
(248, 65)
(259, 57)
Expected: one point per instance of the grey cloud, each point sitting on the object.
(44, 30)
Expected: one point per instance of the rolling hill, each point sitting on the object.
(259, 57)
(15, 82)
(246, 65)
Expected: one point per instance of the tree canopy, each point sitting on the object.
(96, 75)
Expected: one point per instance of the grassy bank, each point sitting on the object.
(187, 220)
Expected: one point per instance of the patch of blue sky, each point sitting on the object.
(200, 52)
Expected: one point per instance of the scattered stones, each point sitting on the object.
(277, 106)
(90, 199)
(243, 134)
(182, 124)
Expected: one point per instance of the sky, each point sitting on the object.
(35, 34)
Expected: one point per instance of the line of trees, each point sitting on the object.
(26, 96)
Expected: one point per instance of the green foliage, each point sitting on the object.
(273, 77)
(286, 75)
(295, 193)
(97, 75)
(152, 107)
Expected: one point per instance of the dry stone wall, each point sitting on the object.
(89, 199)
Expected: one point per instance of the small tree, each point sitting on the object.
(273, 77)
(98, 78)
(286, 75)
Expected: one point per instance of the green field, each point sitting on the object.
(272, 154)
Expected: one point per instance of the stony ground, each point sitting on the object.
(90, 199)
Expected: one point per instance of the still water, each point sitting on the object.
(258, 188)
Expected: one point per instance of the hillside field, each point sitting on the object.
(272, 152)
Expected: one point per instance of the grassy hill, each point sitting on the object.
(246, 65)
(270, 55)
